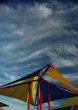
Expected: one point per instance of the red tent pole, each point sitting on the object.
(29, 98)
(38, 102)
(76, 107)
(38, 105)
(40, 95)
(48, 96)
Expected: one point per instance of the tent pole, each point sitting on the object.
(29, 98)
(48, 96)
(76, 107)
(46, 70)
(40, 95)
(38, 102)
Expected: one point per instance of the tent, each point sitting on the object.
(20, 91)
(50, 92)
(48, 70)
(56, 92)
(34, 90)
(3, 105)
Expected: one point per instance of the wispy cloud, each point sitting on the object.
(41, 10)
(72, 77)
(30, 32)
(34, 54)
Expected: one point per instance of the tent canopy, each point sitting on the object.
(25, 78)
(20, 88)
(20, 91)
(54, 73)
(49, 70)
(56, 92)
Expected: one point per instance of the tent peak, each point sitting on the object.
(50, 65)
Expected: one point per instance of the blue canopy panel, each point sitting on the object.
(56, 92)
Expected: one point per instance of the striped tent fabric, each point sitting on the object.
(55, 74)
(24, 88)
(20, 91)
(56, 92)
(27, 77)
(50, 71)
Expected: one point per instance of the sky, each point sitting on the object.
(34, 33)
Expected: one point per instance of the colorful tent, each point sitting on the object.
(56, 92)
(20, 91)
(53, 73)
(50, 71)
(3, 105)
(26, 87)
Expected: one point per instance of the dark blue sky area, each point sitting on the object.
(37, 1)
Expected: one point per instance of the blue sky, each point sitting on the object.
(35, 33)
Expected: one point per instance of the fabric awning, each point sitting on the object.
(56, 92)
(20, 91)
(53, 73)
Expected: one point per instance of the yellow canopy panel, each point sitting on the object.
(31, 79)
(3, 105)
(71, 102)
(57, 76)
(20, 91)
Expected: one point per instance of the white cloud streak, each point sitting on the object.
(41, 10)
(72, 77)
(41, 27)
(34, 54)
